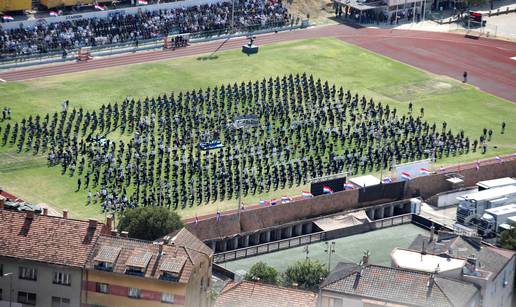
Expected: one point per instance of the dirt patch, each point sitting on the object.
(410, 91)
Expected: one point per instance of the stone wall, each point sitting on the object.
(252, 220)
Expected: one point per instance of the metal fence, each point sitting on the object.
(268, 247)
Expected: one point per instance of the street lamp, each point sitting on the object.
(10, 287)
(330, 249)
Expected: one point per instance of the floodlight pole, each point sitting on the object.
(330, 249)
(233, 15)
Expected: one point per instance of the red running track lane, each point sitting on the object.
(448, 169)
(487, 61)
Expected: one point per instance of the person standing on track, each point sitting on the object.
(465, 75)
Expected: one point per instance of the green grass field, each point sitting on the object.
(379, 243)
(444, 99)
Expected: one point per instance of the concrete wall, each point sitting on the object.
(253, 220)
(43, 287)
(104, 14)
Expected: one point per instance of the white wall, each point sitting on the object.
(103, 14)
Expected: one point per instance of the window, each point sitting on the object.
(1, 269)
(167, 298)
(26, 298)
(28, 273)
(61, 278)
(102, 288)
(134, 292)
(0, 294)
(60, 302)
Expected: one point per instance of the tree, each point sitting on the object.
(307, 274)
(508, 238)
(264, 272)
(149, 223)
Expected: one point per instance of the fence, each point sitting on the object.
(268, 247)
(310, 238)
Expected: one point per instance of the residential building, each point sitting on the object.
(252, 294)
(488, 267)
(367, 285)
(41, 258)
(173, 271)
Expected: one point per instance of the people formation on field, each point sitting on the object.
(147, 152)
(120, 28)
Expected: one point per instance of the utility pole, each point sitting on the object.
(330, 249)
(233, 15)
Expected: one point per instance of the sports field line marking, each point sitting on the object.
(2, 80)
(513, 58)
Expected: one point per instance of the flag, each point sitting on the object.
(405, 176)
(218, 215)
(100, 7)
(424, 171)
(327, 190)
(196, 219)
(499, 159)
(348, 186)
(477, 165)
(142, 2)
(263, 203)
(274, 202)
(307, 194)
(285, 199)
(7, 18)
(387, 180)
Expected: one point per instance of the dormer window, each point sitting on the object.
(137, 263)
(171, 268)
(106, 258)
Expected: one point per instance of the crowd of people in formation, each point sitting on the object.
(147, 152)
(119, 28)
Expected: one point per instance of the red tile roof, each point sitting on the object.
(46, 238)
(131, 248)
(252, 294)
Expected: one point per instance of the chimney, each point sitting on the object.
(432, 231)
(365, 258)
(423, 248)
(2, 202)
(29, 215)
(45, 211)
(109, 222)
(114, 233)
(430, 285)
(473, 262)
(92, 223)
(124, 234)
(160, 247)
(65, 213)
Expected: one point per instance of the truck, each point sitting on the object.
(495, 183)
(489, 223)
(472, 206)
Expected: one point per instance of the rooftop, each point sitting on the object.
(176, 255)
(490, 259)
(49, 239)
(398, 286)
(487, 184)
(365, 181)
(252, 294)
(414, 260)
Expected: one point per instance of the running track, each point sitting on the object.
(487, 61)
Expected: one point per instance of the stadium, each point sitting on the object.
(251, 120)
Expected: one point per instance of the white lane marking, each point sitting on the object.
(513, 58)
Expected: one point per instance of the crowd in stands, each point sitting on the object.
(303, 128)
(72, 34)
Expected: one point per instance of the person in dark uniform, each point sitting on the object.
(465, 75)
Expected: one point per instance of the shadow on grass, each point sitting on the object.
(207, 58)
